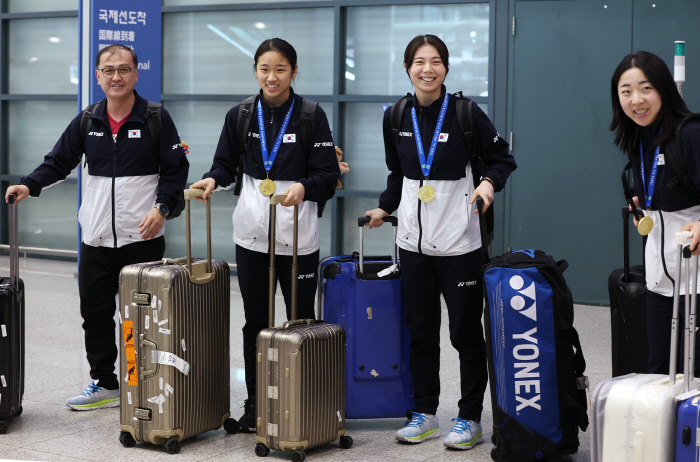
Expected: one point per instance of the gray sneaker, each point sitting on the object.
(94, 397)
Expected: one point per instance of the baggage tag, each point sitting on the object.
(155, 317)
(387, 271)
(148, 319)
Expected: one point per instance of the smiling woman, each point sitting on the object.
(660, 135)
(266, 147)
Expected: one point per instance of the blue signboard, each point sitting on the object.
(136, 24)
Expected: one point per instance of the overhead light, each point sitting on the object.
(54, 40)
(33, 59)
(259, 25)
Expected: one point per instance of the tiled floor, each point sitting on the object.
(56, 369)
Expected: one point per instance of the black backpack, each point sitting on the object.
(465, 119)
(306, 133)
(154, 118)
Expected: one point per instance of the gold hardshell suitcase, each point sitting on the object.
(174, 347)
(300, 397)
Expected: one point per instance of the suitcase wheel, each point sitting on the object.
(231, 426)
(3, 427)
(19, 411)
(172, 446)
(127, 440)
(298, 456)
(346, 442)
(261, 450)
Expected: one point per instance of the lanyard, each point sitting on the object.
(425, 164)
(652, 177)
(268, 160)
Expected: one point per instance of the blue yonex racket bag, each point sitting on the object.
(538, 390)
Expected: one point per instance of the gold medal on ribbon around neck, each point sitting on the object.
(267, 187)
(645, 225)
(426, 193)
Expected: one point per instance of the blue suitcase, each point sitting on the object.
(688, 420)
(371, 310)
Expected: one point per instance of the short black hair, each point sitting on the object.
(279, 45)
(672, 105)
(427, 39)
(111, 49)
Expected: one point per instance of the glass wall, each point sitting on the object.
(350, 60)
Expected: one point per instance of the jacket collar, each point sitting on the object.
(137, 112)
(281, 109)
(434, 107)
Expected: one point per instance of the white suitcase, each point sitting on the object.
(634, 416)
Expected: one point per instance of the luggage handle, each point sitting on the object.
(14, 241)
(200, 272)
(297, 322)
(361, 222)
(144, 343)
(684, 255)
(482, 229)
(272, 282)
(626, 212)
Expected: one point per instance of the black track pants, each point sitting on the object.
(458, 278)
(98, 279)
(253, 276)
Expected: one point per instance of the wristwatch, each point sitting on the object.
(162, 209)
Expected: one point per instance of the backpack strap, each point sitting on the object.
(306, 124)
(86, 122)
(674, 157)
(396, 114)
(154, 121)
(245, 115)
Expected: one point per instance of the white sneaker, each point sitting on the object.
(464, 435)
(419, 429)
(94, 397)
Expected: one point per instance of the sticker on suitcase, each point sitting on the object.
(130, 353)
(170, 359)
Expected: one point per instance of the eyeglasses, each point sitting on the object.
(109, 71)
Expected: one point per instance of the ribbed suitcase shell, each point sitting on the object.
(300, 386)
(687, 449)
(198, 319)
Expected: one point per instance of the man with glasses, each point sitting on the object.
(130, 191)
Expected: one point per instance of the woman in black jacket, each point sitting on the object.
(432, 185)
(273, 162)
(654, 127)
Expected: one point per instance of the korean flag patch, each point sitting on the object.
(290, 138)
(443, 137)
(134, 133)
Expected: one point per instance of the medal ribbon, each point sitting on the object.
(425, 164)
(652, 177)
(268, 160)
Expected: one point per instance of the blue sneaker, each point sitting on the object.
(94, 397)
(465, 435)
(419, 429)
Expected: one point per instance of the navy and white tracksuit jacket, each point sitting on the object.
(125, 179)
(670, 209)
(318, 174)
(447, 225)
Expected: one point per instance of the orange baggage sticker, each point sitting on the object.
(130, 353)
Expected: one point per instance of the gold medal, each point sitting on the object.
(426, 193)
(267, 187)
(645, 225)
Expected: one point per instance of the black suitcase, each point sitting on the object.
(11, 333)
(630, 351)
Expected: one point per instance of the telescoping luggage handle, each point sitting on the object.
(691, 280)
(201, 272)
(274, 200)
(361, 222)
(14, 241)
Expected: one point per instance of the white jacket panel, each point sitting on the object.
(134, 197)
(447, 224)
(656, 278)
(251, 219)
